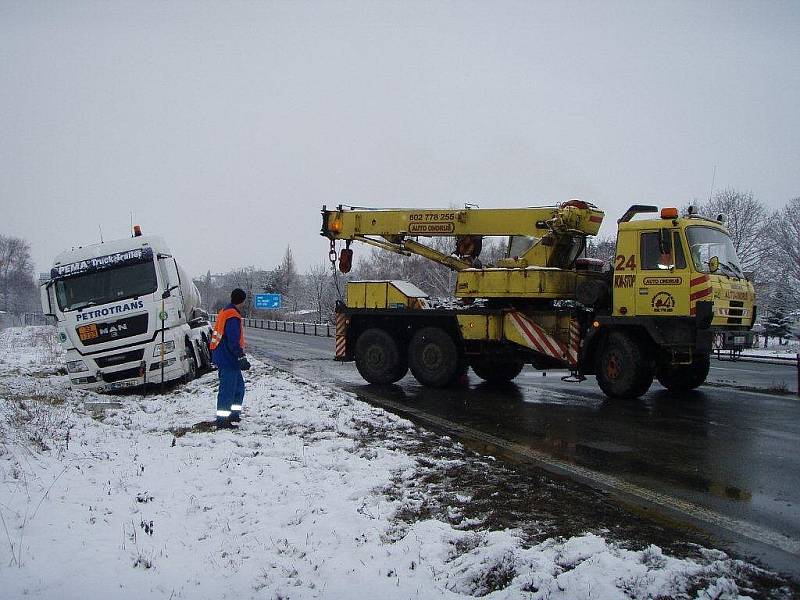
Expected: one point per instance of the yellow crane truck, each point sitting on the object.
(674, 284)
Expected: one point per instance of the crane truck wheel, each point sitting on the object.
(497, 369)
(682, 378)
(624, 369)
(434, 358)
(379, 360)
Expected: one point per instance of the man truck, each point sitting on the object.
(127, 314)
(674, 283)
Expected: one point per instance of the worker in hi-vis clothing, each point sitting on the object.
(227, 352)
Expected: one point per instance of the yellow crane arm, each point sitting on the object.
(553, 230)
(574, 216)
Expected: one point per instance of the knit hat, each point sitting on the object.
(237, 296)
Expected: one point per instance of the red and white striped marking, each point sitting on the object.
(544, 343)
(574, 341)
(341, 335)
(699, 288)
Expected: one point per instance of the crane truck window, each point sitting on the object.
(706, 243)
(654, 260)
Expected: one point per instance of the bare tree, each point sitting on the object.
(285, 281)
(431, 277)
(17, 285)
(603, 249)
(785, 228)
(250, 279)
(319, 291)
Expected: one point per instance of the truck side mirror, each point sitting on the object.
(713, 264)
(45, 297)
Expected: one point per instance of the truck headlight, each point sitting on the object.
(76, 366)
(168, 347)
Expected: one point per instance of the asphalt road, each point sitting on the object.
(730, 453)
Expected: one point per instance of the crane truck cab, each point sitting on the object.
(127, 314)
(677, 284)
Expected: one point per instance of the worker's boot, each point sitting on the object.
(224, 423)
(236, 416)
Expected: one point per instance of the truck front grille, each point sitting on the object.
(118, 359)
(120, 375)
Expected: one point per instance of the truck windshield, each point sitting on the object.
(106, 286)
(707, 242)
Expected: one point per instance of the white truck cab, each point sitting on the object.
(127, 314)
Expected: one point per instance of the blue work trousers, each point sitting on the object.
(231, 391)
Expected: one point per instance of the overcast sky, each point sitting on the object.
(224, 127)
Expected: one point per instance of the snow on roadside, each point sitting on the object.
(131, 502)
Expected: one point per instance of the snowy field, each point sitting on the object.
(309, 498)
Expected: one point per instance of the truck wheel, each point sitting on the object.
(623, 368)
(191, 374)
(205, 353)
(682, 378)
(378, 357)
(501, 369)
(434, 358)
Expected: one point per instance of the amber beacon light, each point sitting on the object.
(669, 213)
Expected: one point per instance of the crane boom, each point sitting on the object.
(554, 231)
(347, 223)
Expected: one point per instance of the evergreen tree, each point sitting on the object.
(780, 304)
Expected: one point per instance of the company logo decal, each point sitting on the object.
(131, 257)
(663, 302)
(87, 315)
(431, 228)
(663, 280)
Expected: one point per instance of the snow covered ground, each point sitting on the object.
(309, 498)
(790, 350)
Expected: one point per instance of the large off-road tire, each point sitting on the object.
(191, 374)
(623, 368)
(497, 369)
(379, 358)
(434, 358)
(682, 378)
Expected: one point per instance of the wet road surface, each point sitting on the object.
(729, 451)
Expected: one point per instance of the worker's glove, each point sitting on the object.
(244, 364)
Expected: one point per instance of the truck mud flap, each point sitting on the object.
(342, 321)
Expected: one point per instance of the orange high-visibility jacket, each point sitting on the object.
(219, 327)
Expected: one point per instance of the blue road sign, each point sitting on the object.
(268, 301)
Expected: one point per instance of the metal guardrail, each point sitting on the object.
(300, 327)
(315, 329)
(734, 355)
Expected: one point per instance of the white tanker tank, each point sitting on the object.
(191, 295)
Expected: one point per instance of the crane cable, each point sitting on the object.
(332, 259)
